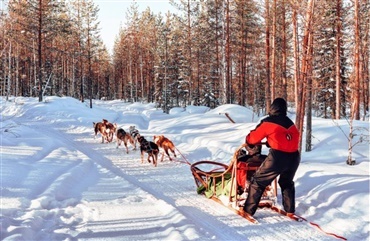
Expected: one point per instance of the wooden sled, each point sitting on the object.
(223, 183)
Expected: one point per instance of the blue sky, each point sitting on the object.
(112, 15)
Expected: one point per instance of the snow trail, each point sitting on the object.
(68, 186)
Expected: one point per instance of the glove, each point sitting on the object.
(251, 146)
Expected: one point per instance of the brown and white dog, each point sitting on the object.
(165, 144)
(150, 148)
(135, 134)
(125, 137)
(111, 130)
(106, 130)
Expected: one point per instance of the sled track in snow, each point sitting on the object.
(166, 182)
(211, 214)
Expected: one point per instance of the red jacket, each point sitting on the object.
(279, 131)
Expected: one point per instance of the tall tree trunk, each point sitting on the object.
(355, 112)
(40, 50)
(295, 54)
(228, 55)
(309, 95)
(190, 49)
(284, 55)
(306, 48)
(9, 77)
(219, 58)
(338, 62)
(267, 56)
(273, 52)
(89, 79)
(81, 73)
(366, 68)
(223, 59)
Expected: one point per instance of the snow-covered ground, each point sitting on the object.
(59, 183)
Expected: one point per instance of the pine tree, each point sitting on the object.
(189, 11)
(85, 15)
(325, 52)
(41, 20)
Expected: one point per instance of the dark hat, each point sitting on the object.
(278, 107)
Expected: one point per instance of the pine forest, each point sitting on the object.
(314, 53)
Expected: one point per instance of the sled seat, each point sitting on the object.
(216, 179)
(246, 167)
(207, 174)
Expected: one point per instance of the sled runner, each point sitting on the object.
(228, 184)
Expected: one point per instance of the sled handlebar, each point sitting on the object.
(257, 144)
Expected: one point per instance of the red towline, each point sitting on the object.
(197, 173)
(298, 218)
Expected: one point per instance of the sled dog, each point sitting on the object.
(165, 144)
(111, 131)
(125, 137)
(135, 134)
(150, 148)
(106, 130)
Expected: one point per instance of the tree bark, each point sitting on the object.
(284, 55)
(355, 112)
(273, 51)
(267, 56)
(306, 48)
(338, 76)
(295, 55)
(39, 51)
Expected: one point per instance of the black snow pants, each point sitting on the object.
(276, 163)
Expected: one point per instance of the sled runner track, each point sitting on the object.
(157, 182)
(157, 179)
(205, 214)
(238, 212)
(45, 180)
(99, 152)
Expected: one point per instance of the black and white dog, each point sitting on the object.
(135, 134)
(150, 148)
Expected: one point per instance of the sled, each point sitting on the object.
(228, 184)
(221, 183)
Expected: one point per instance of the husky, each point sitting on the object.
(125, 137)
(135, 134)
(165, 144)
(150, 148)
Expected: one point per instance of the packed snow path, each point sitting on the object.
(80, 189)
(136, 201)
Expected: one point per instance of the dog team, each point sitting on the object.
(107, 131)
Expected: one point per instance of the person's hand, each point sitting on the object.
(250, 145)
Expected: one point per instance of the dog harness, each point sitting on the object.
(134, 133)
(148, 147)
